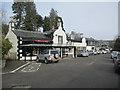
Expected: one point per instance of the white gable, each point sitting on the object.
(59, 33)
(13, 39)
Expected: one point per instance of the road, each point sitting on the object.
(82, 72)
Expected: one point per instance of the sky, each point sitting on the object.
(98, 20)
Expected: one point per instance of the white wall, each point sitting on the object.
(13, 39)
(78, 44)
(59, 32)
(89, 47)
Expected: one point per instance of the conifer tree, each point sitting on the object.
(51, 22)
(46, 25)
(117, 44)
(26, 16)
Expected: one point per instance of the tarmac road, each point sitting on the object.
(82, 72)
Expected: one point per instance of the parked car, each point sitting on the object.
(114, 54)
(90, 52)
(82, 53)
(48, 56)
(117, 63)
(104, 52)
(95, 52)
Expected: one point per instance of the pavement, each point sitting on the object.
(13, 66)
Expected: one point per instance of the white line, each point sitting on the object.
(30, 70)
(19, 67)
(39, 66)
(37, 69)
(90, 63)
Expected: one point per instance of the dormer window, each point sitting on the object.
(60, 39)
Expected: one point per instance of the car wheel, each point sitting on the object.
(113, 61)
(46, 61)
(56, 61)
(37, 60)
(42, 61)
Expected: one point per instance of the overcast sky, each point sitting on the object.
(94, 19)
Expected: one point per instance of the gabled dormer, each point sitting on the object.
(59, 36)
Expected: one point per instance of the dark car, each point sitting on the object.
(117, 63)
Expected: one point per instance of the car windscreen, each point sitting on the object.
(45, 52)
(54, 52)
(84, 51)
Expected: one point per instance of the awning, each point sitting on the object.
(33, 39)
(47, 45)
(42, 41)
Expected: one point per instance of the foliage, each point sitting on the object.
(51, 22)
(39, 22)
(117, 44)
(6, 46)
(5, 28)
(18, 10)
(46, 25)
(26, 16)
(53, 16)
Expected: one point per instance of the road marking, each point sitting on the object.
(32, 67)
(20, 67)
(91, 63)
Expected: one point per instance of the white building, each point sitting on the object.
(13, 39)
(78, 40)
(91, 44)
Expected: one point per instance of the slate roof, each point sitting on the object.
(77, 38)
(23, 33)
(49, 34)
(90, 39)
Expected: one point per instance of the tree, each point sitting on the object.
(117, 44)
(19, 11)
(26, 16)
(4, 26)
(46, 25)
(53, 16)
(51, 22)
(39, 21)
(5, 45)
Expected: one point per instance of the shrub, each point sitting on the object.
(6, 46)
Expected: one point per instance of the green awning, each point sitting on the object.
(46, 45)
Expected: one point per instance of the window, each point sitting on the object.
(60, 39)
(54, 52)
(45, 52)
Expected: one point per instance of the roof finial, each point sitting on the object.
(59, 24)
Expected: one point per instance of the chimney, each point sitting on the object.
(81, 35)
(72, 35)
(12, 24)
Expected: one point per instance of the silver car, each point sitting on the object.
(82, 53)
(48, 56)
(114, 54)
